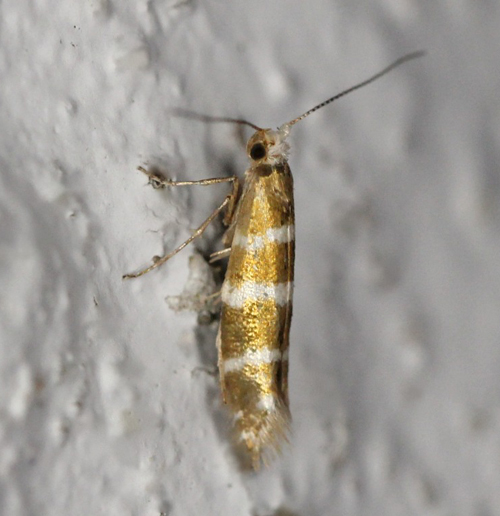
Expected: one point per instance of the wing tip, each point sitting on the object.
(261, 440)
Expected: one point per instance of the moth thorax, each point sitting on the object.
(267, 146)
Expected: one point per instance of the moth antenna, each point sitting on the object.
(395, 64)
(185, 113)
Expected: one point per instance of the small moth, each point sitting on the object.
(256, 295)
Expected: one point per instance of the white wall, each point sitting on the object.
(106, 405)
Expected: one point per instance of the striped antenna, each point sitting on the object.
(398, 62)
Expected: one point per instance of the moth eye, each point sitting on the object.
(258, 151)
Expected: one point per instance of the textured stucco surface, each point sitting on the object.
(108, 404)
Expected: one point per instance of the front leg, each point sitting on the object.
(229, 203)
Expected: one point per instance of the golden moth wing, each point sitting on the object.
(256, 311)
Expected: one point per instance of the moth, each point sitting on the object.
(256, 295)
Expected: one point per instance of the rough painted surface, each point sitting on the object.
(106, 407)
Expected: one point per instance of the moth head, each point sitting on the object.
(268, 147)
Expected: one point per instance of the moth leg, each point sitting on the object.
(208, 307)
(160, 261)
(229, 202)
(160, 182)
(211, 300)
(219, 255)
(195, 302)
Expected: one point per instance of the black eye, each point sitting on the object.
(258, 151)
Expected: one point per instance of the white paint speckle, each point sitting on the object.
(21, 391)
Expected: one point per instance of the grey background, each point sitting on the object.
(107, 404)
